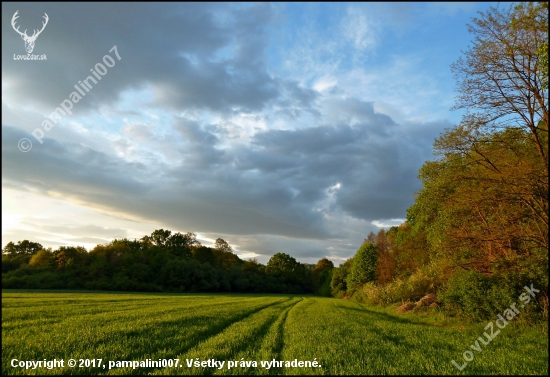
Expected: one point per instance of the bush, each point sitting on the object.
(425, 280)
(466, 294)
(338, 285)
(482, 297)
(475, 296)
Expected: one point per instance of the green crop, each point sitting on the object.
(343, 337)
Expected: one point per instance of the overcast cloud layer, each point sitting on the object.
(295, 128)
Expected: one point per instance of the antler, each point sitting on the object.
(15, 16)
(24, 34)
(35, 34)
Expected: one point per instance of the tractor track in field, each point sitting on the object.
(211, 331)
(277, 350)
(258, 335)
(201, 336)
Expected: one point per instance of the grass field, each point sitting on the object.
(343, 337)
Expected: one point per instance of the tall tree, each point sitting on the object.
(338, 284)
(364, 266)
(321, 277)
(385, 261)
(222, 245)
(22, 247)
(44, 258)
(294, 274)
(160, 236)
(180, 244)
(491, 186)
(501, 78)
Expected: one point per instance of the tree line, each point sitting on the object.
(161, 262)
(477, 233)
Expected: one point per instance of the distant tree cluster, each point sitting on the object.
(163, 261)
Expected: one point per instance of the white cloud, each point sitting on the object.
(359, 29)
(387, 223)
(324, 83)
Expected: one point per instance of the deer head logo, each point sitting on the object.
(29, 41)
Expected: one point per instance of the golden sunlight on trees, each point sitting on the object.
(484, 203)
(479, 225)
(491, 184)
(500, 76)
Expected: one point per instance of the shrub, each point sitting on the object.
(466, 293)
(425, 280)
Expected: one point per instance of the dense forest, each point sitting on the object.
(476, 235)
(163, 261)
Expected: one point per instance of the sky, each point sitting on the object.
(296, 128)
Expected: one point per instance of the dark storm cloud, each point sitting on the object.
(276, 186)
(72, 168)
(194, 55)
(195, 199)
(276, 192)
(375, 161)
(199, 149)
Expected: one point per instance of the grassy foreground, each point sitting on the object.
(343, 337)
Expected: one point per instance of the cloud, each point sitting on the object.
(81, 230)
(359, 29)
(387, 223)
(273, 186)
(283, 127)
(185, 68)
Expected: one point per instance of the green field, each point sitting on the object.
(344, 337)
